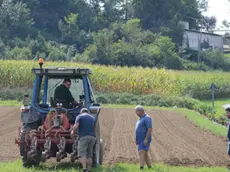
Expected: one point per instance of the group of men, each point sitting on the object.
(85, 128)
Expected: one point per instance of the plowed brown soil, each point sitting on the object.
(176, 140)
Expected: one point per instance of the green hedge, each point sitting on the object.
(154, 100)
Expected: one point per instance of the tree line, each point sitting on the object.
(110, 32)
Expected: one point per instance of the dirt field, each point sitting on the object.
(176, 140)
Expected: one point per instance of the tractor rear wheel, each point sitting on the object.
(26, 161)
(101, 152)
(98, 154)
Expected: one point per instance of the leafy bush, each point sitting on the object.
(215, 59)
(163, 101)
(190, 65)
(128, 45)
(13, 94)
(154, 100)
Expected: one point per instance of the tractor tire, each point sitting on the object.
(100, 156)
(26, 162)
(23, 150)
(94, 159)
(101, 151)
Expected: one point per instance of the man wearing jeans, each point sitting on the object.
(143, 136)
(85, 125)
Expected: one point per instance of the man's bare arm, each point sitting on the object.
(75, 127)
(148, 133)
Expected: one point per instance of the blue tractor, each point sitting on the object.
(47, 123)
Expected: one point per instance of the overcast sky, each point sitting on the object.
(220, 9)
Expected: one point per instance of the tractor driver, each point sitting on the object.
(63, 95)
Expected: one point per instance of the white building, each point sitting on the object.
(193, 38)
(199, 40)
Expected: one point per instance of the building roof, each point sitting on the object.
(196, 31)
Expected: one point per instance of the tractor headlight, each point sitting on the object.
(24, 109)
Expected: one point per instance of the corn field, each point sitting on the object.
(135, 80)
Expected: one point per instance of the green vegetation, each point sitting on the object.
(17, 74)
(203, 122)
(219, 110)
(218, 104)
(17, 167)
(10, 103)
(106, 32)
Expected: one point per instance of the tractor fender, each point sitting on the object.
(31, 116)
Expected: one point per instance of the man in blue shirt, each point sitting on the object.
(85, 125)
(143, 136)
(228, 134)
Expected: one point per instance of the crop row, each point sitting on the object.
(135, 80)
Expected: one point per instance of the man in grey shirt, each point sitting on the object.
(85, 125)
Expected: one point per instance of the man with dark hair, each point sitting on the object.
(63, 95)
(85, 127)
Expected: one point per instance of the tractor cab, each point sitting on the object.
(48, 79)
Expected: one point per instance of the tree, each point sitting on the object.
(208, 23)
(15, 20)
(164, 16)
(112, 10)
(225, 23)
(129, 45)
(203, 5)
(191, 11)
(71, 33)
(48, 13)
(103, 41)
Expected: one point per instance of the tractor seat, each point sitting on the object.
(45, 106)
(65, 104)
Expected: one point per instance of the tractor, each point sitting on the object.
(46, 126)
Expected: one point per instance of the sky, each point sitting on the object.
(220, 9)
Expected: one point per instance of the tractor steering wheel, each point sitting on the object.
(78, 105)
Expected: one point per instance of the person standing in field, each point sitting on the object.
(228, 134)
(143, 136)
(85, 126)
